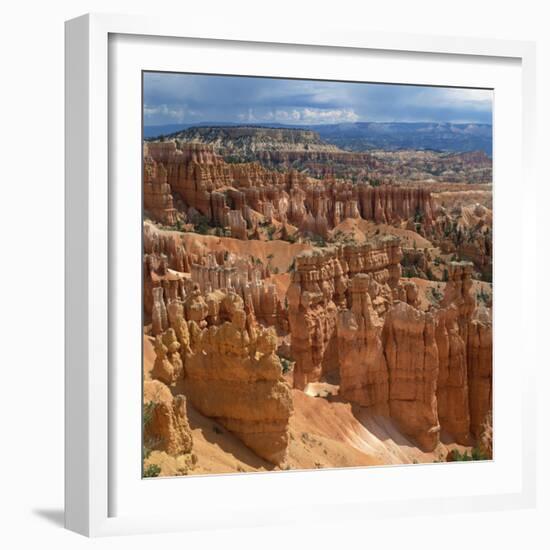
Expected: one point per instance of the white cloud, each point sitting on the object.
(300, 115)
(173, 114)
(464, 98)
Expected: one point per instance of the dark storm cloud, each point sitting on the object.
(178, 98)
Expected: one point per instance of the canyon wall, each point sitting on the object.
(157, 193)
(242, 195)
(319, 289)
(233, 375)
(428, 368)
(363, 366)
(172, 270)
(413, 363)
(213, 350)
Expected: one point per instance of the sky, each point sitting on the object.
(173, 98)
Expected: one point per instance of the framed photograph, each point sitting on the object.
(292, 272)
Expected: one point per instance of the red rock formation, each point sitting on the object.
(168, 366)
(413, 365)
(480, 371)
(171, 274)
(225, 363)
(312, 314)
(237, 224)
(167, 244)
(424, 368)
(157, 193)
(391, 204)
(363, 367)
(240, 195)
(166, 427)
(319, 286)
(234, 376)
(453, 323)
(159, 314)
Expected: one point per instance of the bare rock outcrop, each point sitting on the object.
(233, 375)
(413, 365)
(453, 324)
(241, 195)
(159, 314)
(317, 279)
(166, 427)
(427, 366)
(363, 366)
(480, 371)
(173, 274)
(319, 289)
(157, 193)
(390, 204)
(168, 365)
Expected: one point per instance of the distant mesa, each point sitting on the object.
(386, 154)
(364, 136)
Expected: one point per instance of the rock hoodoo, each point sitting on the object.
(229, 371)
(242, 195)
(429, 369)
(166, 426)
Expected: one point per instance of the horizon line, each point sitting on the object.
(251, 124)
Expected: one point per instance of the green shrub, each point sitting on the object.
(153, 470)
(291, 238)
(482, 296)
(149, 443)
(317, 240)
(436, 294)
(476, 454)
(148, 409)
(286, 365)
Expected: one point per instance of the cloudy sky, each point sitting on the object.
(186, 98)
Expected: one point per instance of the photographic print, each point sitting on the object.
(317, 274)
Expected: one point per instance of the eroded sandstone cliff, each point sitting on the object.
(166, 427)
(234, 376)
(242, 196)
(428, 368)
(217, 354)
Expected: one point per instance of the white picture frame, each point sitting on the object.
(98, 498)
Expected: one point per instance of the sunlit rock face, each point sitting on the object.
(320, 289)
(413, 364)
(429, 369)
(166, 426)
(242, 195)
(228, 369)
